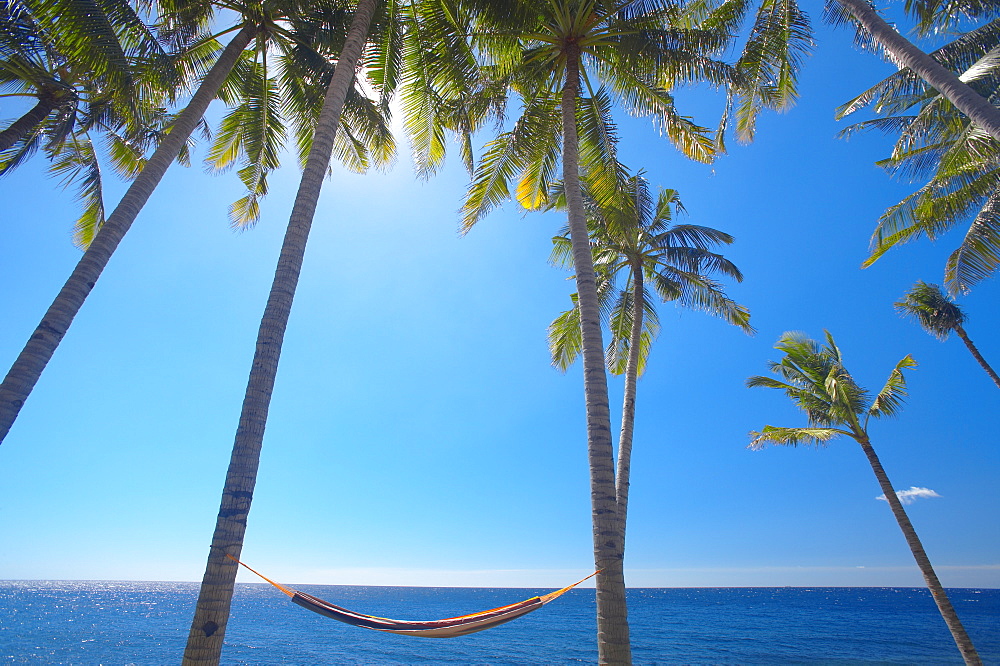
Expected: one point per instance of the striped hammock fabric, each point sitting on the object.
(447, 628)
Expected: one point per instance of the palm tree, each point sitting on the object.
(259, 24)
(211, 615)
(112, 85)
(70, 56)
(30, 68)
(637, 239)
(30, 363)
(569, 61)
(905, 54)
(815, 379)
(960, 162)
(939, 316)
(567, 45)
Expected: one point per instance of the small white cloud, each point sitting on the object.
(912, 495)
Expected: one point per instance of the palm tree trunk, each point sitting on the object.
(42, 344)
(965, 99)
(612, 616)
(211, 615)
(23, 126)
(979, 357)
(923, 562)
(628, 405)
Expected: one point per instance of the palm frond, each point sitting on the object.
(252, 133)
(75, 163)
(889, 400)
(599, 146)
(792, 436)
(565, 338)
(506, 157)
(978, 256)
(620, 324)
(779, 39)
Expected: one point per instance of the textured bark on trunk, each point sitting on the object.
(979, 357)
(23, 126)
(612, 616)
(28, 367)
(923, 562)
(211, 615)
(965, 99)
(628, 404)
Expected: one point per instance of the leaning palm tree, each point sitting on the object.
(636, 243)
(815, 379)
(259, 24)
(31, 68)
(27, 368)
(569, 62)
(69, 55)
(939, 315)
(906, 54)
(211, 614)
(936, 143)
(113, 86)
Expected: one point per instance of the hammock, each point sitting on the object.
(447, 628)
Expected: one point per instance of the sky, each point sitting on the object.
(418, 434)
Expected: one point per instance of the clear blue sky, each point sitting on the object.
(418, 435)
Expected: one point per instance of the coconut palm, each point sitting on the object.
(960, 162)
(69, 56)
(31, 68)
(95, 72)
(211, 615)
(905, 54)
(568, 47)
(939, 315)
(636, 243)
(569, 62)
(30, 363)
(815, 379)
(263, 25)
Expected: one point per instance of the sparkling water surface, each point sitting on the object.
(111, 623)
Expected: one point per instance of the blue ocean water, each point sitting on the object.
(104, 622)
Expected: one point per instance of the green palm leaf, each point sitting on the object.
(792, 436)
(889, 400)
(75, 163)
(978, 256)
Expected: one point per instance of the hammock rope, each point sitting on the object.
(446, 628)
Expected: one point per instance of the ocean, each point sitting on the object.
(117, 623)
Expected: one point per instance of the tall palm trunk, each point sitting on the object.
(628, 404)
(965, 99)
(23, 126)
(612, 616)
(979, 357)
(923, 562)
(211, 615)
(42, 344)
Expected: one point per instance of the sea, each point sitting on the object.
(112, 623)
